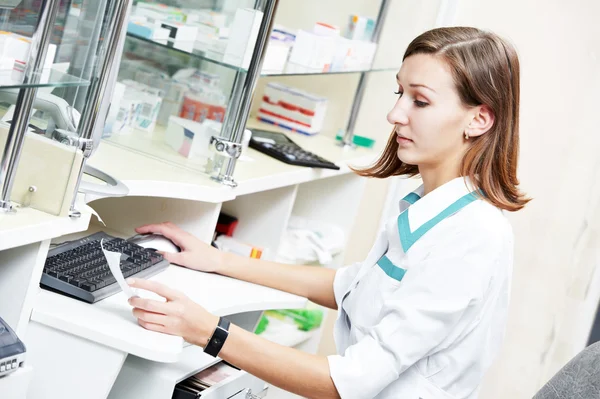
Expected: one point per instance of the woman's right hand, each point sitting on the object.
(194, 254)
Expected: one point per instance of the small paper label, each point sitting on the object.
(97, 215)
(114, 262)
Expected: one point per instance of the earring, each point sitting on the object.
(466, 135)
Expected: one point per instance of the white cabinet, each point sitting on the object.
(15, 385)
(24, 241)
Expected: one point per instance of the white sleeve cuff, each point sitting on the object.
(364, 370)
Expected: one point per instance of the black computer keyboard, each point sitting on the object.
(79, 268)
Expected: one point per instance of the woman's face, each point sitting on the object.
(429, 118)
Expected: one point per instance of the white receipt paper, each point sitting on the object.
(114, 262)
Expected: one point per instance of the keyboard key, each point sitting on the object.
(128, 273)
(98, 282)
(88, 286)
(110, 280)
(77, 282)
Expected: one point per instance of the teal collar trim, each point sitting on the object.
(408, 238)
(411, 198)
(395, 272)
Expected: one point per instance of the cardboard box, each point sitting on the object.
(293, 109)
(14, 54)
(182, 36)
(278, 50)
(191, 139)
(145, 103)
(150, 31)
(313, 51)
(242, 38)
(360, 28)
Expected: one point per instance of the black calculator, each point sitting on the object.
(281, 147)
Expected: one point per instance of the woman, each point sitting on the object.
(423, 316)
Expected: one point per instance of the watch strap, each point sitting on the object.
(216, 342)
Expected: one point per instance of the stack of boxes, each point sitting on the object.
(325, 49)
(231, 38)
(292, 109)
(204, 30)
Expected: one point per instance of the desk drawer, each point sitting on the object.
(235, 386)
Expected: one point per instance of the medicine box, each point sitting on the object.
(14, 54)
(293, 109)
(278, 50)
(313, 51)
(149, 30)
(182, 36)
(242, 37)
(147, 102)
(191, 139)
(360, 28)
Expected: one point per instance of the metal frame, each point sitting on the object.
(96, 104)
(244, 84)
(348, 139)
(18, 128)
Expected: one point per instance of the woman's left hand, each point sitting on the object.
(179, 315)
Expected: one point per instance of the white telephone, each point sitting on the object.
(62, 115)
(62, 121)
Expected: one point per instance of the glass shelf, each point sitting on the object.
(299, 70)
(48, 78)
(190, 48)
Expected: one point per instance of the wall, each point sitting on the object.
(556, 284)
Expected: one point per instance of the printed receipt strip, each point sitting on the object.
(114, 262)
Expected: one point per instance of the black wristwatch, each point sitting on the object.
(218, 338)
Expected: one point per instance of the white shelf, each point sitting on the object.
(111, 323)
(28, 225)
(150, 168)
(14, 386)
(146, 175)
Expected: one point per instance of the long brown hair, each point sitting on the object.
(486, 71)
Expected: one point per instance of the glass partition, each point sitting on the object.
(51, 155)
(181, 62)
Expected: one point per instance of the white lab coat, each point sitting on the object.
(424, 315)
